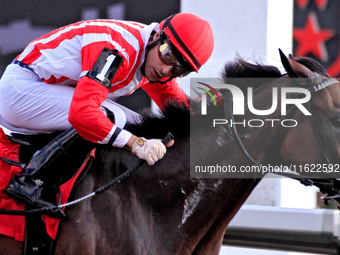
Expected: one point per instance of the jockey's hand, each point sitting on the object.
(150, 150)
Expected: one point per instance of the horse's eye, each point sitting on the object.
(336, 121)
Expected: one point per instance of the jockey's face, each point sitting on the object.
(155, 68)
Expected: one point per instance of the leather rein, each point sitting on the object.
(98, 191)
(330, 186)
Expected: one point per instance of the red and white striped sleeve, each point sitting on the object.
(89, 94)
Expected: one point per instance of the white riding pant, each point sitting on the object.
(28, 105)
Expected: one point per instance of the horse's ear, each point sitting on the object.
(293, 68)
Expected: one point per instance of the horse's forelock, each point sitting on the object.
(312, 65)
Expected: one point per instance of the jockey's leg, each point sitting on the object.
(122, 114)
(34, 105)
(57, 162)
(28, 103)
(50, 167)
(53, 165)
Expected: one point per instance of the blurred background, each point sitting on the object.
(281, 216)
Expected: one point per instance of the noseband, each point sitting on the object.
(330, 186)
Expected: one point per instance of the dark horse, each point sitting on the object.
(160, 209)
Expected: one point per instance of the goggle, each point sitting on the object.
(169, 56)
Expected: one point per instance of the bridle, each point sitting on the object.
(330, 186)
(325, 148)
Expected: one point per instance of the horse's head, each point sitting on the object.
(316, 139)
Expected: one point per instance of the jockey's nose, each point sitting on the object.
(166, 70)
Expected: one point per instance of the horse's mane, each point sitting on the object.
(179, 120)
(240, 68)
(175, 119)
(240, 71)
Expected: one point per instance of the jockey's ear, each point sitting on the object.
(154, 38)
(158, 32)
(296, 70)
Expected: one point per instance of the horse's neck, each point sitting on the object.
(162, 200)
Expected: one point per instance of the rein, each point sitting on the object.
(331, 186)
(100, 190)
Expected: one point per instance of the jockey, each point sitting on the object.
(68, 79)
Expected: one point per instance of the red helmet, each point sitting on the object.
(192, 37)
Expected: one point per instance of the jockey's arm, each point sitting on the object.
(92, 124)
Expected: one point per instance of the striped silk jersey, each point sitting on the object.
(66, 55)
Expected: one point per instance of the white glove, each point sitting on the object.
(150, 150)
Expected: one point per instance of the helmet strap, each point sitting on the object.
(163, 82)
